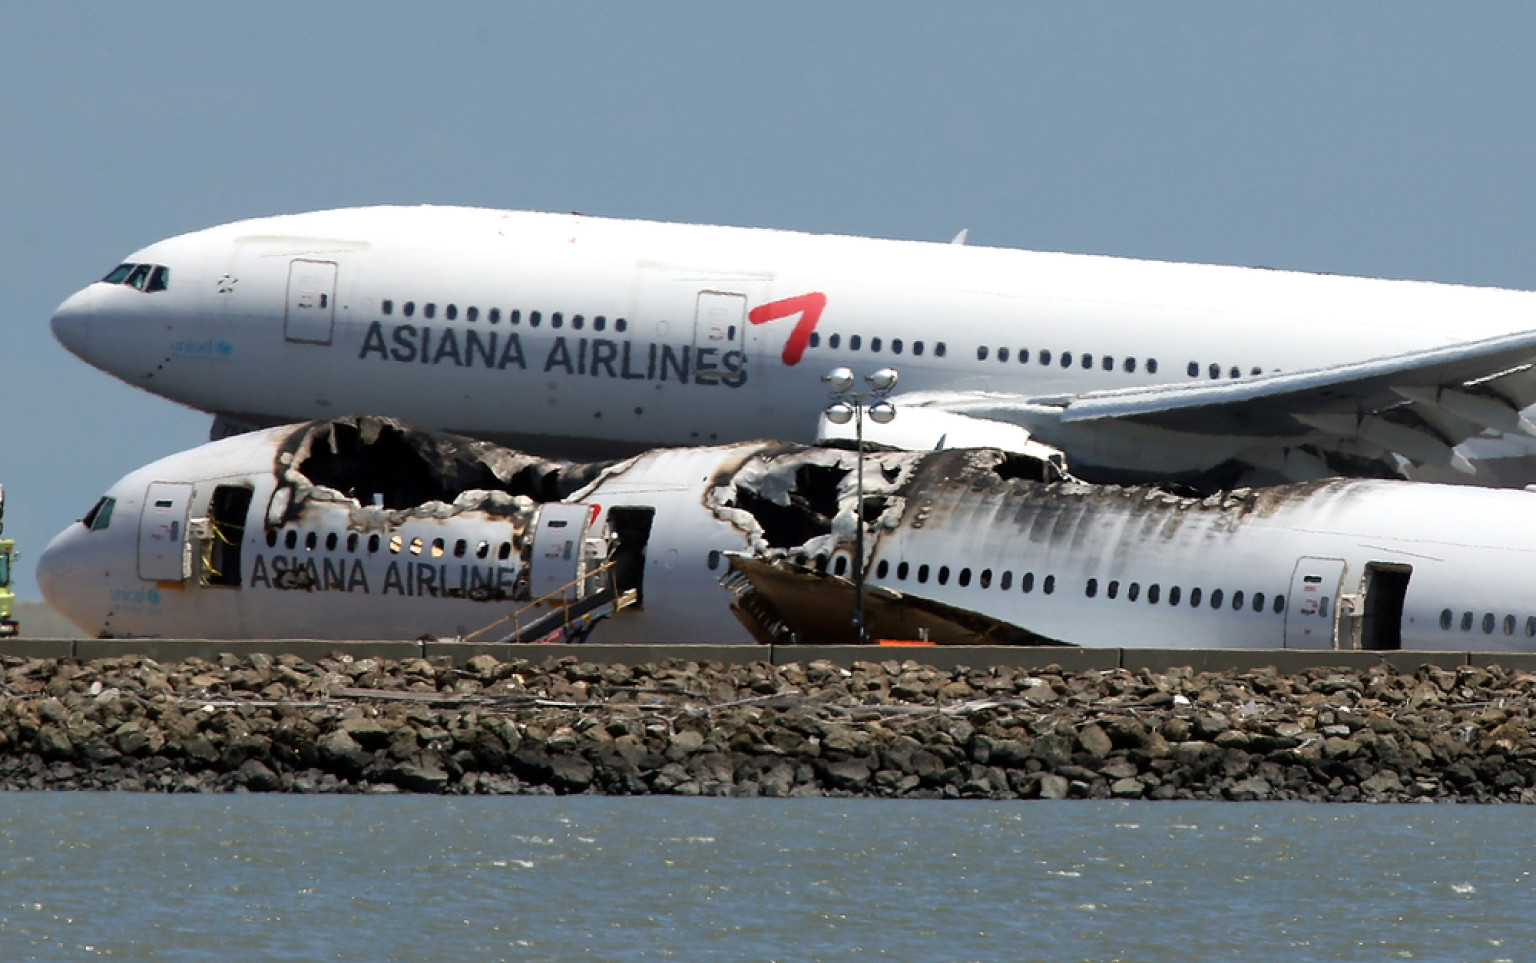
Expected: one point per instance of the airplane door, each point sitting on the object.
(557, 541)
(1311, 612)
(163, 532)
(311, 307)
(719, 328)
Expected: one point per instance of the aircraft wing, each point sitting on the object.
(1418, 405)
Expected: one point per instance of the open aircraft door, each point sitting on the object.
(1312, 610)
(558, 551)
(311, 308)
(163, 554)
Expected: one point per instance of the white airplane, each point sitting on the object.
(364, 528)
(589, 337)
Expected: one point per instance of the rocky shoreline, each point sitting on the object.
(889, 728)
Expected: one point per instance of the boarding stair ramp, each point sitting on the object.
(568, 613)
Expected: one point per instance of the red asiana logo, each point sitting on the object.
(808, 306)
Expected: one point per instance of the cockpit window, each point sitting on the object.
(100, 515)
(142, 277)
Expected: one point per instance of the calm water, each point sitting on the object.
(404, 878)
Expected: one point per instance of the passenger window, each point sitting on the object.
(505, 552)
(417, 545)
(874, 344)
(409, 310)
(853, 342)
(1530, 626)
(515, 316)
(1488, 623)
(494, 316)
(1092, 589)
(965, 577)
(1194, 598)
(1002, 354)
(1151, 366)
(922, 573)
(1130, 365)
(483, 550)
(1258, 601)
(438, 549)
(1027, 583)
(1087, 361)
(917, 348)
(1445, 619)
(1134, 592)
(1235, 373)
(713, 559)
(1466, 621)
(473, 314)
(895, 346)
(578, 322)
(290, 539)
(1066, 359)
(883, 568)
(1256, 371)
(981, 354)
(1113, 589)
(841, 567)
(1045, 356)
(986, 578)
(352, 542)
(1193, 369)
(599, 323)
(452, 313)
(902, 570)
(1216, 597)
(1215, 371)
(834, 341)
(1173, 595)
(939, 350)
(1107, 363)
(1278, 605)
(1023, 356)
(330, 541)
(1006, 582)
(1153, 593)
(943, 574)
(388, 306)
(460, 547)
(557, 320)
(814, 340)
(430, 311)
(373, 544)
(1237, 603)
(1509, 625)
(1049, 585)
(620, 325)
(534, 318)
(271, 539)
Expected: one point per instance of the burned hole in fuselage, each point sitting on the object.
(380, 462)
(812, 503)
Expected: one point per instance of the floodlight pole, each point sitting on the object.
(846, 403)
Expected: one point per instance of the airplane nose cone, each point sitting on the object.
(72, 324)
(62, 572)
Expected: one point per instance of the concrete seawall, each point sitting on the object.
(946, 657)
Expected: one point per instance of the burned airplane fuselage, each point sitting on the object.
(366, 528)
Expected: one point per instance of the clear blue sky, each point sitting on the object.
(1393, 140)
